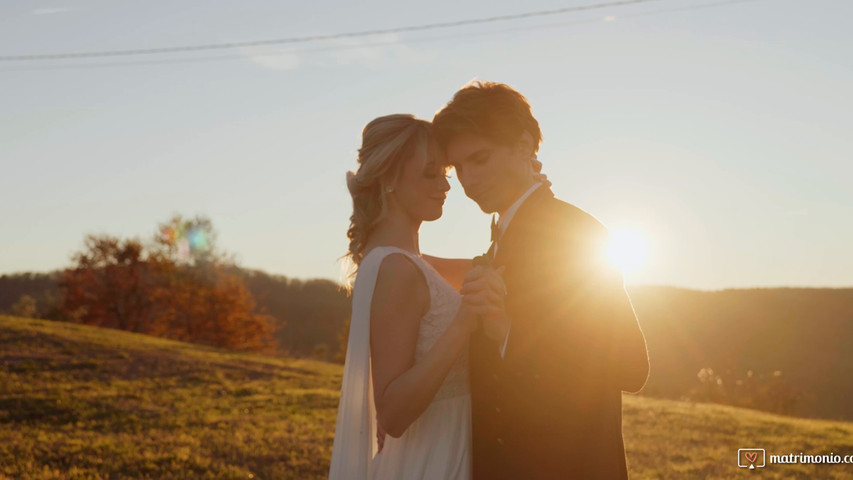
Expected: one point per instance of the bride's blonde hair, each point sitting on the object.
(386, 143)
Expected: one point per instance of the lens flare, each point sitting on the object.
(186, 242)
(627, 250)
(197, 239)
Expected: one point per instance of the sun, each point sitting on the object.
(627, 250)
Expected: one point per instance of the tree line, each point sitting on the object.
(179, 285)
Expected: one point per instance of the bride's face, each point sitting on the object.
(421, 189)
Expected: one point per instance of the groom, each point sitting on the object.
(547, 375)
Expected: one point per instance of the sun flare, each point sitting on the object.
(627, 250)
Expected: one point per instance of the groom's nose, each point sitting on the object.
(466, 185)
(465, 178)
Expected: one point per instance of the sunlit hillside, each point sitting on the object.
(804, 334)
(79, 402)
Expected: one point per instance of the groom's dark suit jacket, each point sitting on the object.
(552, 407)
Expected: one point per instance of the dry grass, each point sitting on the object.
(80, 402)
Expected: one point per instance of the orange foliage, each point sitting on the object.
(110, 286)
(118, 284)
(210, 306)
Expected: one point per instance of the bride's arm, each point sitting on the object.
(452, 269)
(402, 388)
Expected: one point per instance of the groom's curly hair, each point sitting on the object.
(494, 110)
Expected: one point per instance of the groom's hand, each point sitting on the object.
(496, 326)
(483, 290)
(485, 285)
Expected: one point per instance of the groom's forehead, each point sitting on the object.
(469, 157)
(467, 146)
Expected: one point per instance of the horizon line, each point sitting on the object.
(627, 285)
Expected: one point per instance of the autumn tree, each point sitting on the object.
(210, 306)
(178, 286)
(111, 284)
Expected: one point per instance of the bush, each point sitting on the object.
(769, 392)
(25, 307)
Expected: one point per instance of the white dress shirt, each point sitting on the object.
(503, 223)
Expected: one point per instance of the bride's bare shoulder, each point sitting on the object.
(400, 280)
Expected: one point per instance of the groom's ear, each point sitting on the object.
(524, 146)
(524, 155)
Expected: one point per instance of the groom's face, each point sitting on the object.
(492, 174)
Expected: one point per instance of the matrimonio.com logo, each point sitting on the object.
(751, 458)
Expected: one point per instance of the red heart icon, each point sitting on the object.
(751, 456)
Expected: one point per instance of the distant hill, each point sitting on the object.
(82, 402)
(310, 314)
(806, 334)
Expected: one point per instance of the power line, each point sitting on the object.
(541, 26)
(312, 38)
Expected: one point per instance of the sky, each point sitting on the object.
(717, 132)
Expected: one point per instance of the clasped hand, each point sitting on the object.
(483, 292)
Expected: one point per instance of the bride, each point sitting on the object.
(406, 364)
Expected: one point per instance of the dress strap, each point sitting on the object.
(379, 253)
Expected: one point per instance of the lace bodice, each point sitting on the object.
(444, 302)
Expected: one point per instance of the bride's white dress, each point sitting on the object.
(435, 446)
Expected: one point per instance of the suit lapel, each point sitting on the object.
(512, 252)
(515, 230)
(491, 252)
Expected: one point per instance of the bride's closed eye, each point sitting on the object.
(433, 175)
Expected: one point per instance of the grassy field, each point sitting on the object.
(78, 402)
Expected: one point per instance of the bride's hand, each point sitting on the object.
(483, 291)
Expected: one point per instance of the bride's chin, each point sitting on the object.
(433, 216)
